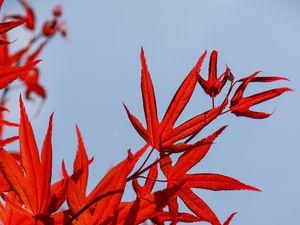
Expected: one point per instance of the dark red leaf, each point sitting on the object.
(214, 85)
(240, 105)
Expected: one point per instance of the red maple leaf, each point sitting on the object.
(209, 181)
(31, 180)
(105, 198)
(163, 135)
(239, 105)
(214, 84)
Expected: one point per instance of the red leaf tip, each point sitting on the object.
(143, 58)
(200, 61)
(214, 53)
(22, 107)
(227, 222)
(218, 132)
(64, 170)
(52, 115)
(130, 156)
(251, 188)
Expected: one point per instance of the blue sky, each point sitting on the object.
(90, 76)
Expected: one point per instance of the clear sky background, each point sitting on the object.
(88, 77)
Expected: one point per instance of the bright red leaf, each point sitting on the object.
(163, 135)
(138, 211)
(214, 84)
(240, 105)
(34, 188)
(215, 182)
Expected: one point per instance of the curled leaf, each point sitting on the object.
(240, 105)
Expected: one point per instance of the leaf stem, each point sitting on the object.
(147, 158)
(135, 175)
(147, 178)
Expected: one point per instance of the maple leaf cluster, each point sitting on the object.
(30, 197)
(25, 59)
